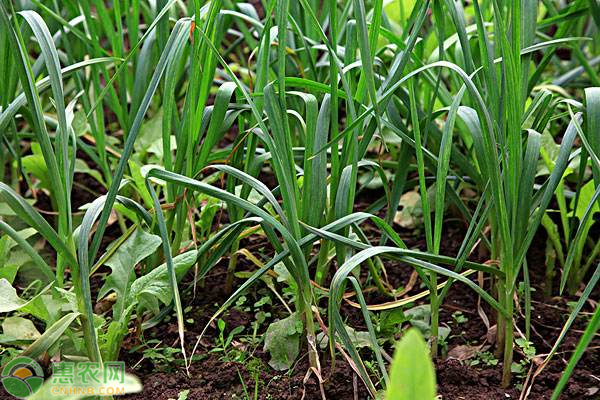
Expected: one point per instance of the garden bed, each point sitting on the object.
(213, 376)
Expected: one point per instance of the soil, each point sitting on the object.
(214, 376)
(217, 375)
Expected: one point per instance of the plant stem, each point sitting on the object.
(550, 264)
(507, 292)
(311, 336)
(231, 267)
(508, 340)
(435, 316)
(322, 263)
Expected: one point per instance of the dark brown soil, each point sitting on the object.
(213, 376)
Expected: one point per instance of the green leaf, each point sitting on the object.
(585, 197)
(12, 259)
(80, 123)
(398, 11)
(83, 168)
(359, 339)
(137, 247)
(283, 275)
(411, 375)
(9, 301)
(23, 234)
(35, 165)
(592, 100)
(18, 328)
(150, 137)
(153, 287)
(282, 341)
(9, 272)
(50, 336)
